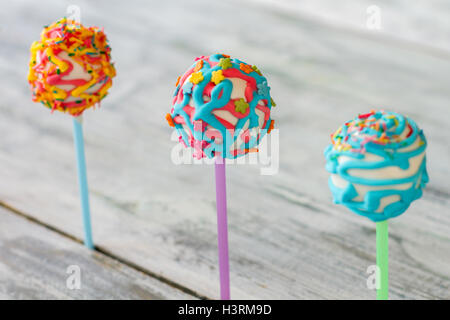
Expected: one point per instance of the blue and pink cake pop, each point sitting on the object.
(221, 105)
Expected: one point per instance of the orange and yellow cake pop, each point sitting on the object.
(70, 67)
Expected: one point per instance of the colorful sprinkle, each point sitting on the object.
(198, 65)
(217, 76)
(271, 126)
(196, 77)
(187, 87)
(272, 102)
(255, 68)
(241, 106)
(263, 88)
(245, 67)
(170, 120)
(373, 127)
(225, 63)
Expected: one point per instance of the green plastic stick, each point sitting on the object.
(383, 259)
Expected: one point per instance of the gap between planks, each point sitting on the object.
(106, 253)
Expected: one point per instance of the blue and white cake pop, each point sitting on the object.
(377, 164)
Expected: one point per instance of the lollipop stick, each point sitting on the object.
(222, 228)
(82, 180)
(383, 259)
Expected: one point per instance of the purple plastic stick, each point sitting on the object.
(222, 228)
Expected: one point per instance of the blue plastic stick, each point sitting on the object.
(82, 181)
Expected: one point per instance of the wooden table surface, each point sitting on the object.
(154, 222)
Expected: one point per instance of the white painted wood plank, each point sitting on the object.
(287, 240)
(423, 23)
(34, 264)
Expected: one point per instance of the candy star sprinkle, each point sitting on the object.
(217, 76)
(263, 88)
(225, 63)
(241, 106)
(198, 66)
(187, 88)
(255, 68)
(170, 120)
(271, 126)
(272, 102)
(245, 67)
(201, 57)
(196, 77)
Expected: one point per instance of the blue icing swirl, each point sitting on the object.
(220, 97)
(381, 134)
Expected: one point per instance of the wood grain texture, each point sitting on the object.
(34, 263)
(286, 238)
(425, 23)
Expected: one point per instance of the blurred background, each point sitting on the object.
(154, 221)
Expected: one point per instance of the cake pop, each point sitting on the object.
(221, 108)
(377, 164)
(70, 71)
(221, 104)
(70, 67)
